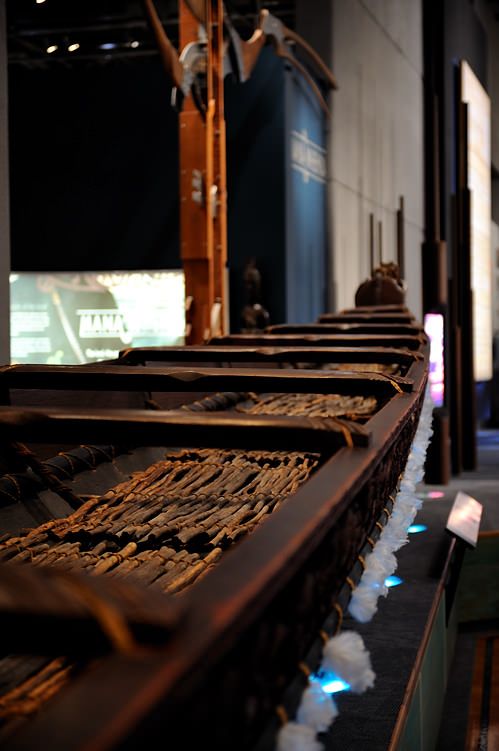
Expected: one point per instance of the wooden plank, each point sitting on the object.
(483, 720)
(322, 340)
(364, 316)
(406, 329)
(235, 353)
(60, 612)
(181, 428)
(123, 378)
(390, 308)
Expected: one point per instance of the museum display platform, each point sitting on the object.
(424, 636)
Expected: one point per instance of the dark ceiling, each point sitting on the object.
(107, 31)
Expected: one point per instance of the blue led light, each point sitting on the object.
(392, 581)
(415, 528)
(330, 682)
(334, 687)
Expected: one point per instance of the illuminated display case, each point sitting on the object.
(434, 327)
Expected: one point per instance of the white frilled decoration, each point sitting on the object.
(345, 654)
(382, 562)
(316, 710)
(293, 736)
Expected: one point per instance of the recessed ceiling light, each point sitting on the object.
(52, 48)
(73, 47)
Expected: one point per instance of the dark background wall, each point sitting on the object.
(464, 38)
(256, 184)
(94, 173)
(453, 32)
(94, 169)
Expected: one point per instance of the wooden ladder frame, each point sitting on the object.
(203, 187)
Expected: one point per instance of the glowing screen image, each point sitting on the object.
(434, 327)
(72, 318)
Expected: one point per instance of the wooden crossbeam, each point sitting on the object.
(182, 428)
(234, 353)
(60, 612)
(161, 379)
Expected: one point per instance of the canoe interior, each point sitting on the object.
(185, 555)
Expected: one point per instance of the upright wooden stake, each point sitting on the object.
(380, 242)
(217, 146)
(371, 242)
(400, 237)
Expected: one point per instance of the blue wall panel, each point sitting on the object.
(306, 184)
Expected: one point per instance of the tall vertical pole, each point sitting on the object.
(216, 151)
(203, 224)
(371, 243)
(436, 289)
(466, 294)
(380, 242)
(4, 196)
(399, 226)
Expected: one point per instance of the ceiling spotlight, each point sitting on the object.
(134, 44)
(73, 47)
(52, 47)
(107, 46)
(39, 2)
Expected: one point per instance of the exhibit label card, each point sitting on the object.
(464, 518)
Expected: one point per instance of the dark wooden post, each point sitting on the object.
(465, 301)
(434, 248)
